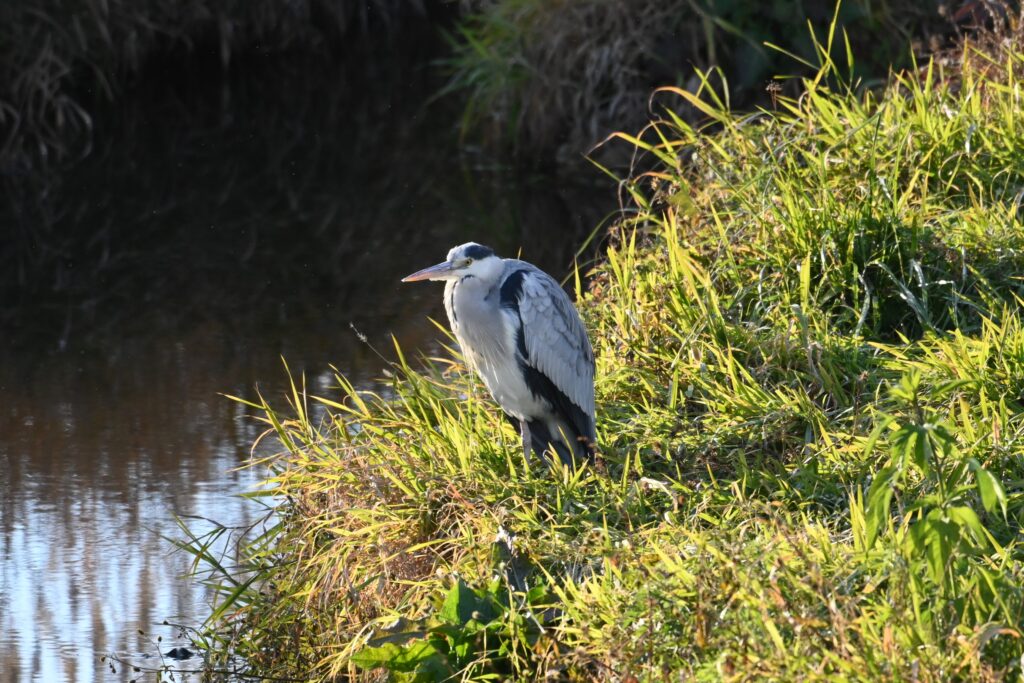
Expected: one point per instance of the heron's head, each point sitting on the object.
(466, 259)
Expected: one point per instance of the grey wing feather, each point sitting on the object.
(556, 341)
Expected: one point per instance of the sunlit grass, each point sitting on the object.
(810, 374)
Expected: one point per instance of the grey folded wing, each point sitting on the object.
(556, 343)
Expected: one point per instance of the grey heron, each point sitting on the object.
(520, 333)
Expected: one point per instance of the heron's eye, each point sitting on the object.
(467, 261)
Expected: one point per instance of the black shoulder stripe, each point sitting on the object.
(508, 297)
(512, 289)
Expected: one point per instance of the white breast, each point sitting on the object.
(487, 335)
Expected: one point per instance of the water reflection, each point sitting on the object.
(212, 230)
(99, 456)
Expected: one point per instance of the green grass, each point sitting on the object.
(810, 374)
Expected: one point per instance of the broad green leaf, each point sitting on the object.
(968, 518)
(536, 594)
(375, 657)
(941, 537)
(903, 444)
(991, 490)
(879, 495)
(923, 454)
(410, 658)
(463, 604)
(462, 649)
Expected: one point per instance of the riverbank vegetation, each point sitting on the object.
(810, 353)
(545, 80)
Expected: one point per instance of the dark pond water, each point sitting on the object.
(211, 230)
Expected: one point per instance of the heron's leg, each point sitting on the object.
(524, 431)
